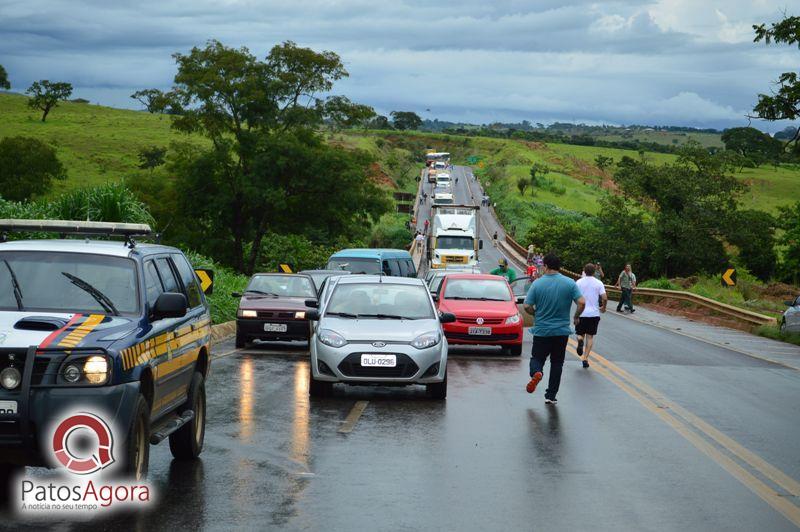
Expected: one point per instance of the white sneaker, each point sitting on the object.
(551, 401)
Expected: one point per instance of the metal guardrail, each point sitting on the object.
(750, 317)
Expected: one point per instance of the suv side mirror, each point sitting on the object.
(170, 305)
(236, 294)
(447, 317)
(312, 315)
(311, 303)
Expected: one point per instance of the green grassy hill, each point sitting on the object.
(96, 144)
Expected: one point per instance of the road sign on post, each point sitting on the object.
(206, 280)
(729, 277)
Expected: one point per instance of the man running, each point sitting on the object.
(594, 293)
(550, 299)
(504, 271)
(626, 282)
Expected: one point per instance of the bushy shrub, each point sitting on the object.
(112, 202)
(661, 283)
(223, 305)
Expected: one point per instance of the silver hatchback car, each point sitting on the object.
(378, 330)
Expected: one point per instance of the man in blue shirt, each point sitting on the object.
(550, 299)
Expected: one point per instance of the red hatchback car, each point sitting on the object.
(485, 309)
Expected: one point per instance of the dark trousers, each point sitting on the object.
(554, 347)
(626, 299)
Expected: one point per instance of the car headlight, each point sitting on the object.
(10, 378)
(95, 369)
(424, 341)
(331, 338)
(512, 320)
(300, 315)
(248, 314)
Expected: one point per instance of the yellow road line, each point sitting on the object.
(353, 417)
(685, 427)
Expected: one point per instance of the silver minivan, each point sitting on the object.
(378, 330)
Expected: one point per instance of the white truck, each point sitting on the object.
(453, 239)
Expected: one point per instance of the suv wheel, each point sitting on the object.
(7, 473)
(437, 390)
(186, 443)
(136, 460)
(318, 388)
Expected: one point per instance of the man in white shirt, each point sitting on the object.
(587, 321)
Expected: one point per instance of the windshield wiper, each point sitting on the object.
(383, 316)
(99, 296)
(259, 292)
(343, 315)
(17, 289)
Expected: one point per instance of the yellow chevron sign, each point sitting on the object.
(285, 268)
(206, 280)
(729, 277)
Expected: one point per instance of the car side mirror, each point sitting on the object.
(447, 317)
(520, 300)
(480, 244)
(170, 305)
(236, 294)
(434, 296)
(312, 315)
(789, 303)
(312, 303)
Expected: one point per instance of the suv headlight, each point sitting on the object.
(10, 378)
(92, 370)
(331, 338)
(512, 320)
(424, 341)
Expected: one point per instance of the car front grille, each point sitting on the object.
(473, 320)
(279, 315)
(481, 337)
(405, 368)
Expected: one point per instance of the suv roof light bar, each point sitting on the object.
(74, 227)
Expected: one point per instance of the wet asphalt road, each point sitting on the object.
(663, 432)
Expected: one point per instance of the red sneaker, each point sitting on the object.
(534, 382)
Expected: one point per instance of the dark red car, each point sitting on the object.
(273, 308)
(485, 309)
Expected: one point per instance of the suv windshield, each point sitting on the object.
(282, 286)
(454, 242)
(478, 289)
(368, 266)
(68, 282)
(380, 300)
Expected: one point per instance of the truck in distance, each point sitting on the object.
(453, 239)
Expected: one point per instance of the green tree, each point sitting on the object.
(405, 120)
(379, 122)
(46, 95)
(151, 157)
(267, 164)
(783, 104)
(789, 221)
(154, 100)
(753, 233)
(602, 162)
(342, 113)
(752, 144)
(537, 173)
(522, 185)
(4, 84)
(28, 167)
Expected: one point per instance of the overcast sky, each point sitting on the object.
(668, 62)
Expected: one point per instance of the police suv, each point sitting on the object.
(118, 329)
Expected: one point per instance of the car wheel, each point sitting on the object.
(514, 350)
(136, 459)
(186, 443)
(7, 474)
(783, 325)
(437, 390)
(240, 341)
(318, 388)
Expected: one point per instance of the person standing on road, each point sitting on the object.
(598, 271)
(529, 257)
(504, 271)
(550, 299)
(626, 282)
(420, 239)
(494, 239)
(594, 294)
(425, 227)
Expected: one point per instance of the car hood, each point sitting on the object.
(486, 309)
(21, 329)
(361, 330)
(273, 303)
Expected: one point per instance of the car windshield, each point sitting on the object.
(282, 286)
(68, 282)
(443, 201)
(477, 289)
(368, 266)
(454, 242)
(381, 301)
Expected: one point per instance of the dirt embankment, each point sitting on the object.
(377, 175)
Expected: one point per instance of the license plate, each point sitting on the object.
(8, 407)
(378, 361)
(275, 327)
(480, 330)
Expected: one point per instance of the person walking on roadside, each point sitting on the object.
(425, 227)
(594, 294)
(504, 271)
(530, 256)
(494, 239)
(420, 240)
(598, 271)
(626, 282)
(550, 299)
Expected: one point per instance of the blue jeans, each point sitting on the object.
(554, 347)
